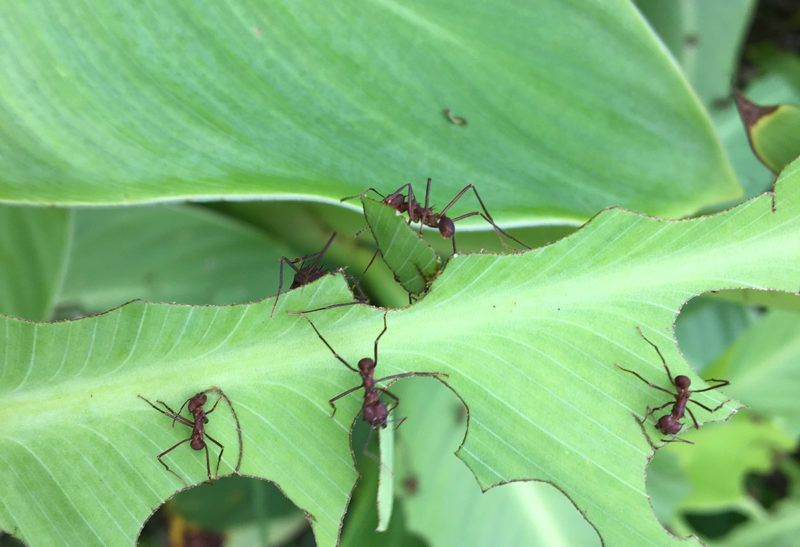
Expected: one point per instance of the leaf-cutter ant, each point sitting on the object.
(198, 437)
(374, 410)
(669, 424)
(407, 203)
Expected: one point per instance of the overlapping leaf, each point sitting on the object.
(135, 102)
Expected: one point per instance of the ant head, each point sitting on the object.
(395, 201)
(446, 227)
(197, 401)
(366, 365)
(682, 382)
(668, 425)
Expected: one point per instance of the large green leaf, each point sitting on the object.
(571, 106)
(532, 343)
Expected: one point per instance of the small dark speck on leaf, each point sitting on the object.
(455, 120)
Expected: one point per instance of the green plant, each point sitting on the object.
(234, 103)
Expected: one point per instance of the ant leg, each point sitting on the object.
(696, 425)
(723, 403)
(428, 193)
(379, 336)
(167, 451)
(701, 405)
(362, 193)
(645, 381)
(676, 440)
(219, 459)
(497, 229)
(322, 252)
(360, 277)
(348, 392)
(174, 416)
(180, 410)
(722, 384)
(658, 351)
(215, 405)
(488, 218)
(651, 411)
(290, 262)
(407, 374)
(222, 395)
(301, 314)
(391, 408)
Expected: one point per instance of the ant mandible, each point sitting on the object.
(407, 203)
(670, 424)
(198, 437)
(374, 410)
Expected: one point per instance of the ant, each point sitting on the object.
(669, 424)
(426, 217)
(197, 423)
(374, 410)
(305, 274)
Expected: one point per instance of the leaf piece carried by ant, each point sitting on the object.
(413, 262)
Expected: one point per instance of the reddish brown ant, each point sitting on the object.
(305, 274)
(373, 409)
(407, 203)
(197, 423)
(669, 424)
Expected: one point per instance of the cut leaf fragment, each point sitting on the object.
(774, 131)
(412, 260)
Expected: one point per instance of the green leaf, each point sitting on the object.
(781, 530)
(716, 465)
(34, 244)
(407, 255)
(533, 339)
(707, 326)
(167, 253)
(774, 131)
(705, 38)
(762, 366)
(141, 102)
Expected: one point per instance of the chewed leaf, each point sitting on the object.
(412, 260)
(532, 342)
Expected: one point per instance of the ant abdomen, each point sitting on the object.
(668, 425)
(375, 414)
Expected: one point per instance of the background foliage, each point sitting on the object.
(277, 111)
